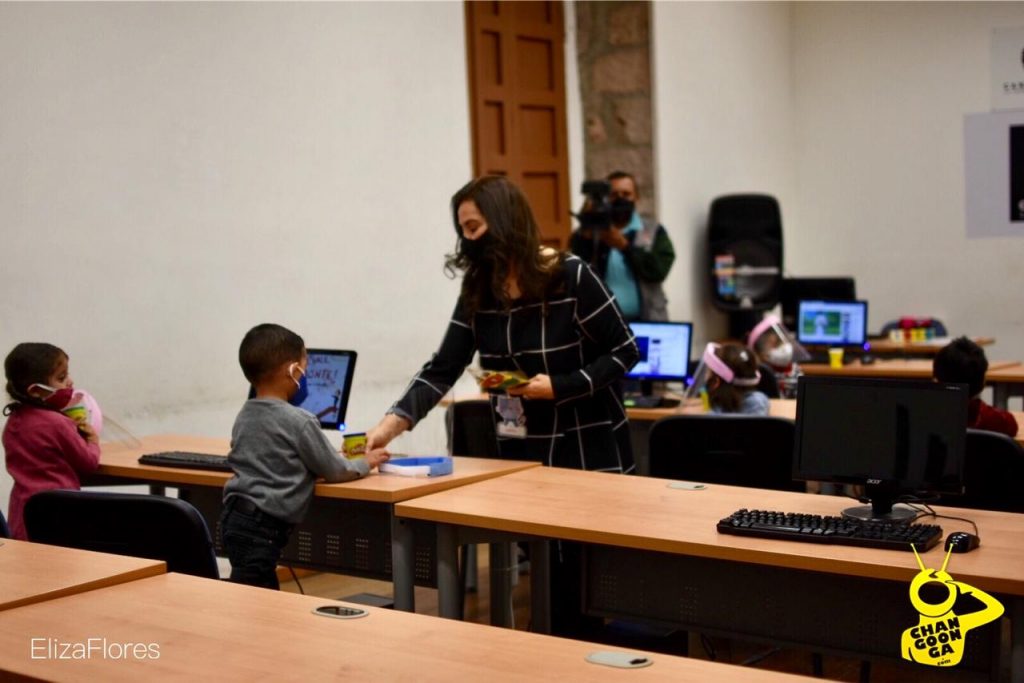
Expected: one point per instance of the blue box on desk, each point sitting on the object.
(430, 466)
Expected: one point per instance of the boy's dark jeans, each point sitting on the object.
(253, 541)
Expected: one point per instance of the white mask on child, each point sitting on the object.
(781, 356)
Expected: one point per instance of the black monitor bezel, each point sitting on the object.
(878, 482)
(819, 345)
(689, 352)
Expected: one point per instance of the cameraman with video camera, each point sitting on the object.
(632, 255)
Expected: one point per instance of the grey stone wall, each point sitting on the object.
(613, 52)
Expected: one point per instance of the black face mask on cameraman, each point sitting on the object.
(621, 211)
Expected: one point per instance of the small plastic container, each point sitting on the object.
(429, 466)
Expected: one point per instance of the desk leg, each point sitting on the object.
(402, 559)
(448, 590)
(1017, 639)
(1000, 395)
(540, 586)
(502, 566)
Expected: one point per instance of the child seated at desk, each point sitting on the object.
(964, 362)
(46, 447)
(729, 374)
(277, 451)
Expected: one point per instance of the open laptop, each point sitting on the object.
(329, 380)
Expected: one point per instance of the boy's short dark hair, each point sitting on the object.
(961, 361)
(265, 347)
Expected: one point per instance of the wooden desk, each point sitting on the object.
(34, 572)
(896, 368)
(207, 630)
(643, 538)
(1006, 382)
(350, 528)
(928, 348)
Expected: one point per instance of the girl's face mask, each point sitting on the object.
(58, 399)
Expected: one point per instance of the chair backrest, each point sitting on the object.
(737, 450)
(769, 384)
(993, 472)
(154, 527)
(470, 426)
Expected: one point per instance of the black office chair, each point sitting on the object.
(769, 384)
(137, 525)
(5, 532)
(993, 470)
(470, 426)
(736, 450)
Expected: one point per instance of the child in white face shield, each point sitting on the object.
(729, 374)
(777, 347)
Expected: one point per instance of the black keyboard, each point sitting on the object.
(792, 526)
(193, 461)
(651, 402)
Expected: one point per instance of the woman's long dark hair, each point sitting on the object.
(513, 244)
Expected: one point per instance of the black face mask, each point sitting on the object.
(621, 211)
(478, 249)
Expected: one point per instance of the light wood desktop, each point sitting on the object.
(206, 630)
(674, 527)
(349, 525)
(34, 572)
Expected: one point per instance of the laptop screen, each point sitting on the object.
(328, 381)
(833, 323)
(329, 377)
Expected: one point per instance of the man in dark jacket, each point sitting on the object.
(633, 256)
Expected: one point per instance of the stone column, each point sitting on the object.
(614, 56)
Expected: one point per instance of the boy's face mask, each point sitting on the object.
(302, 390)
(58, 399)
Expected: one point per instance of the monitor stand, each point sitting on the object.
(881, 508)
(638, 387)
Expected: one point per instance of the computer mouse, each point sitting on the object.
(867, 359)
(961, 542)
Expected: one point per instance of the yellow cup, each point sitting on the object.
(353, 445)
(835, 358)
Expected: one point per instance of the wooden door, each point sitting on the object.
(517, 104)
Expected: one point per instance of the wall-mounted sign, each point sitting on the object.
(1008, 68)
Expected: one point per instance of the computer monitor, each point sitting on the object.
(832, 323)
(797, 289)
(328, 380)
(895, 437)
(664, 351)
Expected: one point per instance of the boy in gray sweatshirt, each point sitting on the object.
(277, 452)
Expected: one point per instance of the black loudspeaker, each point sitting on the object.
(745, 248)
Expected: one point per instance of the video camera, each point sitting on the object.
(596, 213)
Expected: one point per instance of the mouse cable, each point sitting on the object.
(295, 578)
(927, 511)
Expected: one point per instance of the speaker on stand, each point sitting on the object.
(745, 251)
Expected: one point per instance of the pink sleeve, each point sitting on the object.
(83, 456)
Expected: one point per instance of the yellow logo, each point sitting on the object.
(938, 638)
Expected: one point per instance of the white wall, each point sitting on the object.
(172, 174)
(881, 94)
(723, 115)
